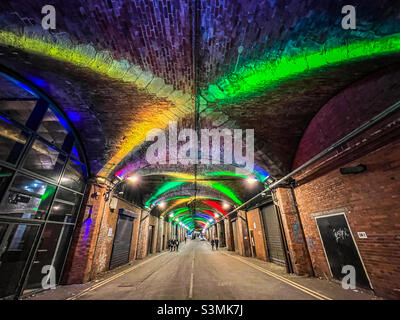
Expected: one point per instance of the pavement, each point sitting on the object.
(199, 273)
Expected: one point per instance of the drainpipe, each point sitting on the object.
(346, 138)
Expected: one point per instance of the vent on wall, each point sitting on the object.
(353, 170)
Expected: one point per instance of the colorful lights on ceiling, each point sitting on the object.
(256, 77)
(157, 115)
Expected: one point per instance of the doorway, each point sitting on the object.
(340, 248)
(273, 235)
(122, 241)
(16, 241)
(150, 240)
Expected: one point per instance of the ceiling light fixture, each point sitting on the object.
(133, 178)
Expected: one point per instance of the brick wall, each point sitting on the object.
(221, 234)
(255, 224)
(243, 234)
(228, 234)
(371, 201)
(80, 255)
(296, 243)
(143, 234)
(105, 242)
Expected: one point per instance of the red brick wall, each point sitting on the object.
(371, 201)
(105, 242)
(296, 243)
(254, 219)
(143, 234)
(154, 222)
(228, 234)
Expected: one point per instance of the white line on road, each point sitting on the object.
(102, 283)
(191, 279)
(191, 286)
(287, 281)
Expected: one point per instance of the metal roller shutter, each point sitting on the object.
(273, 235)
(122, 241)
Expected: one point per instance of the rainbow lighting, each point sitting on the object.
(172, 102)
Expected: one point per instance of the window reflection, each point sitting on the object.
(18, 110)
(65, 207)
(73, 176)
(27, 198)
(12, 141)
(16, 241)
(5, 178)
(53, 128)
(44, 160)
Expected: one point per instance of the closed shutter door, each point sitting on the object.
(122, 241)
(235, 238)
(273, 235)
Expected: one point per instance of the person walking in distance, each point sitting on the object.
(216, 244)
(177, 244)
(185, 239)
(212, 244)
(169, 245)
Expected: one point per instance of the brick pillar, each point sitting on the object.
(297, 245)
(228, 234)
(80, 255)
(165, 233)
(243, 232)
(221, 234)
(159, 236)
(154, 221)
(143, 234)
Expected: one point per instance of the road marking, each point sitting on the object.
(191, 286)
(191, 279)
(102, 283)
(278, 277)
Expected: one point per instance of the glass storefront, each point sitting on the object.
(42, 180)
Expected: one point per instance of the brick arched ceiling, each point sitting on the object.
(120, 68)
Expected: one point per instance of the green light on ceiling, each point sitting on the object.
(164, 188)
(254, 78)
(225, 173)
(225, 190)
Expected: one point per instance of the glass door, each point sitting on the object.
(16, 241)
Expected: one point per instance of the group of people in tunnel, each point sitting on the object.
(173, 244)
(214, 242)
